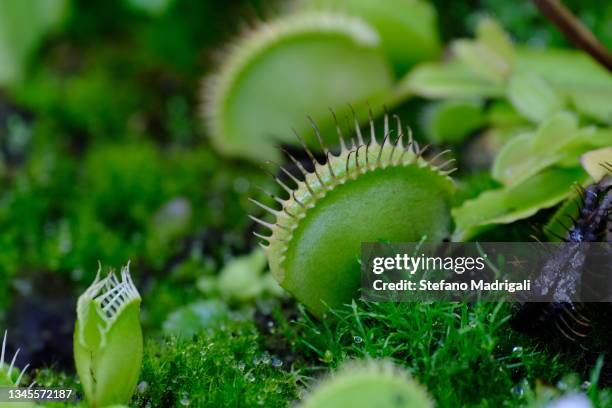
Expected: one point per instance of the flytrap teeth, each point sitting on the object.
(8, 371)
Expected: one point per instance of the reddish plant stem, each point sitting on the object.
(573, 29)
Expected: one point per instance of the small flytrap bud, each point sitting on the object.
(108, 339)
(370, 383)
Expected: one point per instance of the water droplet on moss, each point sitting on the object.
(517, 350)
(518, 390)
(142, 387)
(185, 400)
(357, 339)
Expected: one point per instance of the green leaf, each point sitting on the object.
(490, 55)
(480, 59)
(514, 159)
(555, 132)
(478, 69)
(502, 114)
(573, 74)
(586, 139)
(542, 81)
(512, 203)
(408, 28)
(243, 278)
(557, 141)
(564, 68)
(450, 80)
(23, 24)
(532, 96)
(493, 36)
(451, 121)
(593, 103)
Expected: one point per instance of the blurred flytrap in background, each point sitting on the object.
(322, 55)
(135, 129)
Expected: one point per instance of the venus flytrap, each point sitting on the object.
(373, 189)
(108, 344)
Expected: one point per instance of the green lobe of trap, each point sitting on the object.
(400, 204)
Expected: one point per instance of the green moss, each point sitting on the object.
(226, 367)
(466, 355)
(139, 203)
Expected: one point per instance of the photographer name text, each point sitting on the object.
(424, 285)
